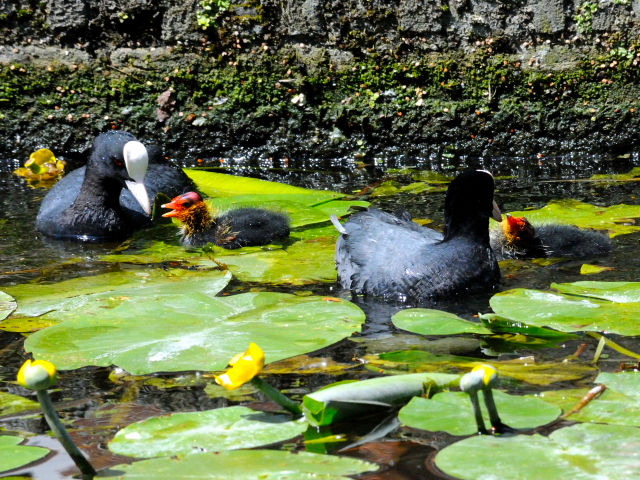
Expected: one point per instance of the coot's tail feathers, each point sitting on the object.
(338, 225)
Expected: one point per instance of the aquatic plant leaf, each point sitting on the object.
(309, 259)
(583, 308)
(216, 430)
(109, 289)
(617, 219)
(498, 324)
(619, 404)
(216, 184)
(588, 269)
(434, 322)
(451, 412)
(584, 451)
(631, 175)
(243, 465)
(523, 369)
(15, 455)
(191, 330)
(346, 400)
(10, 404)
(7, 305)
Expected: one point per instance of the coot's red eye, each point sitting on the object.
(118, 163)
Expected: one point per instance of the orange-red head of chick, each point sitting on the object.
(191, 210)
(517, 229)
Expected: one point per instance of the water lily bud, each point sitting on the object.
(480, 378)
(37, 374)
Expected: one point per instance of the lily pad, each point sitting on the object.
(451, 412)
(11, 404)
(435, 322)
(619, 404)
(523, 369)
(613, 307)
(243, 465)
(347, 399)
(151, 331)
(617, 219)
(7, 305)
(216, 430)
(15, 455)
(584, 451)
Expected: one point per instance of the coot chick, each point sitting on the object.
(86, 206)
(240, 227)
(518, 238)
(392, 257)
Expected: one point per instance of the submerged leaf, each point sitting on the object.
(524, 369)
(451, 412)
(588, 269)
(583, 451)
(11, 404)
(216, 430)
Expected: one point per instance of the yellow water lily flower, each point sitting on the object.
(245, 366)
(37, 374)
(41, 166)
(480, 377)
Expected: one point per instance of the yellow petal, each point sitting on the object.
(489, 373)
(244, 367)
(42, 156)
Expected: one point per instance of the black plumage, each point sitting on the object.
(389, 256)
(236, 228)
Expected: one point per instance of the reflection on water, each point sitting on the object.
(27, 257)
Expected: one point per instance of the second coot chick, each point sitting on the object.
(388, 256)
(240, 227)
(518, 238)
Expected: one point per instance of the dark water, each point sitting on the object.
(99, 406)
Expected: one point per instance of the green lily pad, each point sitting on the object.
(451, 412)
(243, 465)
(584, 451)
(584, 306)
(523, 369)
(52, 301)
(11, 404)
(216, 184)
(15, 455)
(619, 404)
(434, 322)
(151, 331)
(347, 399)
(617, 219)
(7, 305)
(216, 430)
(632, 175)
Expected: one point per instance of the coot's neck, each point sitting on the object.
(476, 228)
(99, 192)
(197, 220)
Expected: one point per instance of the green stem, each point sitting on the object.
(276, 395)
(611, 344)
(55, 424)
(477, 413)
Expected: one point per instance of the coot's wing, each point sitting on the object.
(58, 199)
(378, 253)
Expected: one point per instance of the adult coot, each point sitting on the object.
(90, 203)
(236, 228)
(392, 257)
(518, 238)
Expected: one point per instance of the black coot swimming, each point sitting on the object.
(91, 203)
(392, 257)
(517, 238)
(236, 228)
